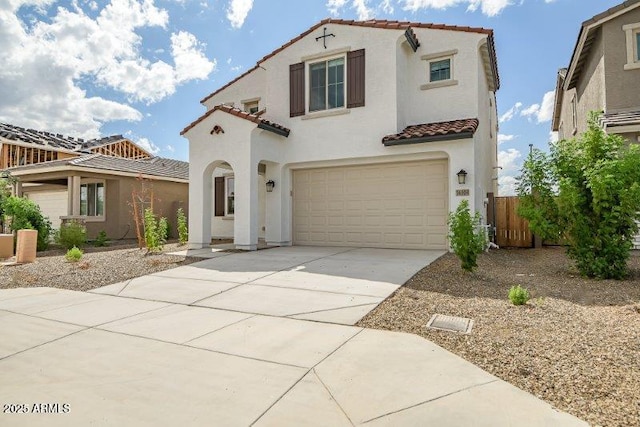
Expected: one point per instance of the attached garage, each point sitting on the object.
(397, 205)
(53, 204)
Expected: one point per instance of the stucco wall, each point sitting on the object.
(394, 99)
(591, 86)
(252, 86)
(623, 86)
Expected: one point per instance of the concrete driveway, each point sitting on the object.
(257, 338)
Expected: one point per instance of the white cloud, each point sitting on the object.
(504, 138)
(508, 115)
(148, 145)
(541, 112)
(334, 6)
(386, 6)
(47, 65)
(511, 162)
(553, 136)
(187, 54)
(488, 7)
(238, 11)
(362, 7)
(170, 148)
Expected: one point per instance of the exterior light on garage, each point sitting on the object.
(462, 177)
(270, 185)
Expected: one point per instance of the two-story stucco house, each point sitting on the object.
(603, 75)
(353, 133)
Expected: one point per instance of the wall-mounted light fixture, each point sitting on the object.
(462, 177)
(270, 185)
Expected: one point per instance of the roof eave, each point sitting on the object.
(26, 171)
(430, 138)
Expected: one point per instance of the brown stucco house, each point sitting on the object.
(91, 181)
(603, 75)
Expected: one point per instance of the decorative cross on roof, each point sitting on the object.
(324, 37)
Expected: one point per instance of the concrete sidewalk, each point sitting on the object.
(223, 342)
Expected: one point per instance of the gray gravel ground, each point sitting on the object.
(576, 344)
(98, 267)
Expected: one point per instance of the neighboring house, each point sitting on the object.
(351, 134)
(91, 181)
(603, 75)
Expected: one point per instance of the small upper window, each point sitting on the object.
(326, 85)
(632, 32)
(440, 70)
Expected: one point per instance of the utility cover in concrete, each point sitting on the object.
(450, 323)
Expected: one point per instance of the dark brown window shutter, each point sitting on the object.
(355, 78)
(296, 89)
(219, 196)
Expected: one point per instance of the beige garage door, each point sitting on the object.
(53, 204)
(399, 205)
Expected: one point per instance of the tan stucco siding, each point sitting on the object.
(623, 86)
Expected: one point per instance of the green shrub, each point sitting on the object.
(71, 234)
(586, 191)
(183, 230)
(26, 214)
(101, 240)
(155, 231)
(518, 295)
(466, 238)
(74, 254)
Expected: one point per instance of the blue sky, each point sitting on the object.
(92, 68)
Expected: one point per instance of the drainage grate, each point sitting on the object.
(450, 323)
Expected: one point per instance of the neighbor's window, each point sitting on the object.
(92, 199)
(632, 33)
(230, 195)
(326, 86)
(440, 70)
(574, 113)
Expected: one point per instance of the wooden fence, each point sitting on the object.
(511, 230)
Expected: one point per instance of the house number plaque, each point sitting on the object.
(463, 192)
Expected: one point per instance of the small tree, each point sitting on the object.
(183, 230)
(155, 231)
(26, 214)
(466, 238)
(587, 190)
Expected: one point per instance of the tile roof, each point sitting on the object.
(375, 23)
(454, 129)
(157, 166)
(255, 118)
(620, 119)
(51, 140)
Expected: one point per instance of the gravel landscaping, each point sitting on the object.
(576, 344)
(98, 267)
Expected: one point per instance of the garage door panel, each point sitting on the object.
(401, 205)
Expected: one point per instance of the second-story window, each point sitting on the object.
(326, 85)
(440, 70)
(632, 34)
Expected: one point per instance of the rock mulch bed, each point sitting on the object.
(98, 267)
(576, 344)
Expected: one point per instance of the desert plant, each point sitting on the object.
(587, 190)
(71, 234)
(183, 230)
(26, 214)
(467, 239)
(155, 231)
(518, 295)
(163, 230)
(74, 254)
(101, 239)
